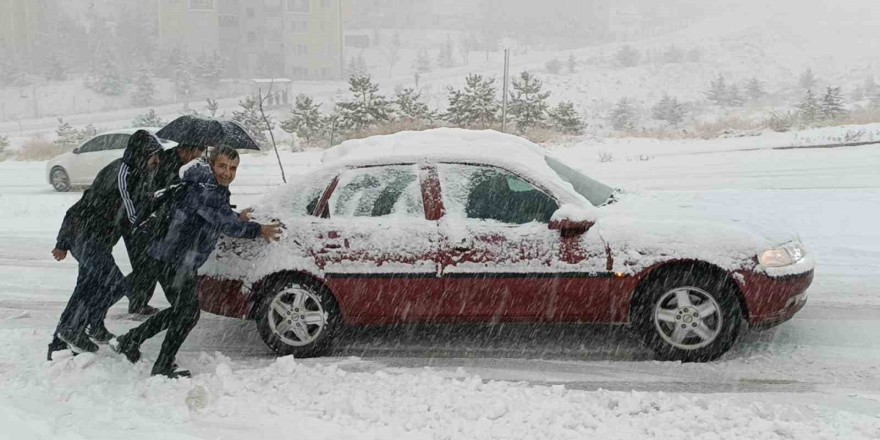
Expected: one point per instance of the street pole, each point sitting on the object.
(504, 98)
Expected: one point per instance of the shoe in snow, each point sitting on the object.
(171, 373)
(55, 345)
(99, 334)
(77, 342)
(147, 310)
(122, 346)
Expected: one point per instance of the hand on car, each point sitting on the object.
(245, 215)
(59, 254)
(271, 232)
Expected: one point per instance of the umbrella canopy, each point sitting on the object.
(198, 130)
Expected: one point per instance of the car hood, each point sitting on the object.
(642, 229)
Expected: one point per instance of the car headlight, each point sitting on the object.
(785, 255)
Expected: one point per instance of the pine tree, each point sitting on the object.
(184, 80)
(669, 110)
(251, 120)
(755, 89)
(145, 89)
(673, 55)
(446, 57)
(89, 131)
(367, 107)
(333, 127)
(554, 66)
(528, 105)
(809, 110)
(476, 105)
(212, 106)
(735, 98)
(357, 66)
(627, 56)
(572, 63)
(410, 106)
(67, 137)
(807, 80)
(106, 77)
(305, 120)
(623, 117)
(210, 69)
(4, 143)
(57, 70)
(566, 119)
(422, 63)
(832, 103)
(149, 119)
(717, 92)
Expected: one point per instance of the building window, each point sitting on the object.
(299, 6)
(228, 21)
(201, 5)
(299, 25)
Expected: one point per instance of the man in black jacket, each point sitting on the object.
(91, 227)
(141, 279)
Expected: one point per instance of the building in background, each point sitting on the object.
(298, 39)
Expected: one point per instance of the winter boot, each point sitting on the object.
(99, 334)
(55, 345)
(170, 372)
(123, 346)
(78, 342)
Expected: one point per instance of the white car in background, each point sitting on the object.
(80, 166)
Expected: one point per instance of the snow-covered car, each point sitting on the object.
(455, 226)
(80, 166)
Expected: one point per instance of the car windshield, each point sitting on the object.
(597, 193)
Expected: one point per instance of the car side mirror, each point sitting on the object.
(571, 220)
(76, 150)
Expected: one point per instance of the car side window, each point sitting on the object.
(117, 142)
(378, 192)
(489, 193)
(96, 144)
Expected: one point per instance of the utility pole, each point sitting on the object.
(504, 98)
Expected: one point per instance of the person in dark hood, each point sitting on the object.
(197, 220)
(141, 279)
(91, 227)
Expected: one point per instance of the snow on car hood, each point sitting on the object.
(643, 229)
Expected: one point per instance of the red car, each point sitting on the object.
(455, 226)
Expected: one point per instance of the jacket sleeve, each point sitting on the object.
(123, 184)
(217, 213)
(65, 238)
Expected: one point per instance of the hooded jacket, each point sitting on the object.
(198, 218)
(110, 204)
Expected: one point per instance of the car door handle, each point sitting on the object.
(333, 246)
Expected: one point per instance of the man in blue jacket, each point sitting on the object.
(198, 218)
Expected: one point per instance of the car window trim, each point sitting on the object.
(324, 204)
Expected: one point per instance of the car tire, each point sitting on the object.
(60, 180)
(298, 318)
(688, 316)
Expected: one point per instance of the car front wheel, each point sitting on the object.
(59, 179)
(688, 316)
(298, 318)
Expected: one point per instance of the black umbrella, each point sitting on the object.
(197, 130)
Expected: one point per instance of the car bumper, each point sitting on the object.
(224, 297)
(774, 300)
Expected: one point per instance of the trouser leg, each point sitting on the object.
(98, 276)
(184, 317)
(142, 278)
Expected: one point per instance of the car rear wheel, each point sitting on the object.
(688, 316)
(298, 318)
(59, 179)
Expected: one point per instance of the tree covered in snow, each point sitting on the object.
(528, 104)
(673, 55)
(409, 105)
(367, 106)
(56, 71)
(565, 118)
(67, 137)
(669, 110)
(4, 143)
(627, 56)
(446, 57)
(210, 69)
(718, 92)
(149, 119)
(333, 127)
(832, 103)
(476, 105)
(807, 79)
(357, 66)
(623, 116)
(809, 109)
(572, 63)
(755, 89)
(735, 97)
(212, 106)
(144, 88)
(249, 117)
(422, 63)
(554, 66)
(305, 120)
(105, 76)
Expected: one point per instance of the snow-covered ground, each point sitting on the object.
(815, 377)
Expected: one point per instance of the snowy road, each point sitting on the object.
(817, 376)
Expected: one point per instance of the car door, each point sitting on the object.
(375, 246)
(88, 156)
(500, 259)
